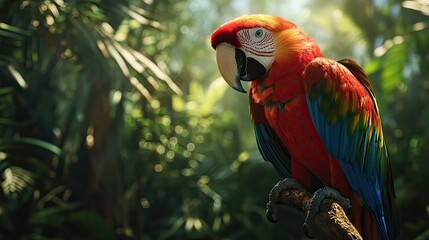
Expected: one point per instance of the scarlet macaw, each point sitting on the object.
(316, 120)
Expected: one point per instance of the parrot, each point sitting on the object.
(315, 119)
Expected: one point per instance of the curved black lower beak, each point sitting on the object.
(248, 68)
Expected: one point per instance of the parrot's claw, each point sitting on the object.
(318, 197)
(274, 196)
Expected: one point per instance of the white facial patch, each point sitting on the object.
(258, 43)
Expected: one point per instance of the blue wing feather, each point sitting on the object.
(272, 149)
(361, 153)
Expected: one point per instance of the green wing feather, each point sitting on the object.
(344, 111)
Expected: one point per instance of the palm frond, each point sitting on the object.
(16, 181)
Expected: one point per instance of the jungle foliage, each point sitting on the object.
(115, 123)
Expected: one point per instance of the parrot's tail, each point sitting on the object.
(363, 221)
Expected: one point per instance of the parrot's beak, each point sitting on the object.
(235, 66)
(229, 68)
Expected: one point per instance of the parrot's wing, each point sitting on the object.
(345, 114)
(272, 149)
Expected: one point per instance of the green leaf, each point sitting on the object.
(6, 144)
(393, 64)
(41, 144)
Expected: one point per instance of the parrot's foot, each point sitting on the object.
(274, 196)
(318, 197)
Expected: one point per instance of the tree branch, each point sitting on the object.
(331, 218)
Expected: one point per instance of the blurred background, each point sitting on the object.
(115, 123)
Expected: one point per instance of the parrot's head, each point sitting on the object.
(248, 46)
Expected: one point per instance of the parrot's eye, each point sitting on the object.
(258, 33)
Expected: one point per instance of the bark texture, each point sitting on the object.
(331, 219)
